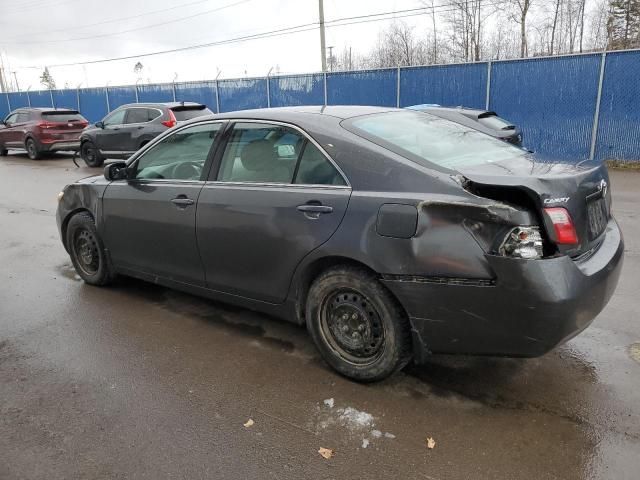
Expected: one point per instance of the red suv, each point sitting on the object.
(39, 130)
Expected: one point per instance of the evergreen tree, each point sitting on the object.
(46, 79)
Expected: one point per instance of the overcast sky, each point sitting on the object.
(35, 33)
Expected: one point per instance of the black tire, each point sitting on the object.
(32, 149)
(90, 154)
(357, 325)
(3, 151)
(87, 251)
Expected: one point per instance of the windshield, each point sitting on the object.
(63, 117)
(187, 113)
(427, 139)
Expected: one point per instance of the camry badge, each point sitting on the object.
(556, 200)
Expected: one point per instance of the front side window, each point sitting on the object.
(180, 156)
(11, 119)
(265, 153)
(116, 118)
(427, 139)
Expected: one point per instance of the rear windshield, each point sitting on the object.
(495, 122)
(187, 113)
(63, 117)
(427, 139)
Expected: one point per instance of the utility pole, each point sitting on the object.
(330, 58)
(323, 51)
(3, 87)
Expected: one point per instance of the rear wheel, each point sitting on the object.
(357, 325)
(90, 154)
(3, 151)
(87, 251)
(32, 149)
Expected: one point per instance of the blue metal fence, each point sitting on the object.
(570, 107)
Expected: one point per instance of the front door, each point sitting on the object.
(112, 138)
(9, 132)
(149, 219)
(274, 198)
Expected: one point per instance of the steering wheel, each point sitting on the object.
(187, 171)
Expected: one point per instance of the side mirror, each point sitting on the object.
(116, 171)
(99, 124)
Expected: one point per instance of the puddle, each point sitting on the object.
(67, 271)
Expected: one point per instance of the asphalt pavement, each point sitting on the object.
(137, 381)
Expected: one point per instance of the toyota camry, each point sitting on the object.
(392, 234)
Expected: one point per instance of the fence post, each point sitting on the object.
(8, 102)
(596, 115)
(137, 98)
(106, 95)
(324, 77)
(28, 98)
(53, 104)
(78, 96)
(398, 88)
(217, 97)
(174, 91)
(488, 93)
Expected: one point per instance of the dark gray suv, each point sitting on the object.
(129, 127)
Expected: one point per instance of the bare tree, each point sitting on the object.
(522, 10)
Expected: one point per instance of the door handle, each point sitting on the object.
(315, 208)
(181, 201)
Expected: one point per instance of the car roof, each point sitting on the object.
(44, 109)
(161, 104)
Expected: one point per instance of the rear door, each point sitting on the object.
(139, 127)
(272, 198)
(149, 220)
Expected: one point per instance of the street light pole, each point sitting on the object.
(15, 76)
(323, 51)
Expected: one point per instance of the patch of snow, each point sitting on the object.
(389, 435)
(365, 443)
(329, 402)
(376, 433)
(354, 419)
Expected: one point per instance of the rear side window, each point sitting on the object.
(187, 113)
(258, 152)
(63, 117)
(315, 169)
(141, 115)
(428, 140)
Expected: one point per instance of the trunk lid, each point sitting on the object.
(582, 189)
(62, 125)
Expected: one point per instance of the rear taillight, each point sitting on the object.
(172, 120)
(562, 225)
(46, 125)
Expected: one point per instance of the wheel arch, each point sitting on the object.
(314, 268)
(65, 223)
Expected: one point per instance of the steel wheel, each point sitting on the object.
(89, 153)
(352, 327)
(85, 249)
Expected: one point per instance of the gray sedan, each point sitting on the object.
(391, 234)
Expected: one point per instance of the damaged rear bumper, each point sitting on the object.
(530, 306)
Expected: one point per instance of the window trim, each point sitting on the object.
(126, 115)
(132, 162)
(213, 174)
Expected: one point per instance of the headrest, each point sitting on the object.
(258, 155)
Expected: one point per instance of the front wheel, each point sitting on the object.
(87, 251)
(359, 328)
(90, 154)
(3, 151)
(32, 149)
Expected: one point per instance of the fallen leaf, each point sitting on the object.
(248, 423)
(326, 452)
(431, 443)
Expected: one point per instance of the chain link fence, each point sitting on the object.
(571, 108)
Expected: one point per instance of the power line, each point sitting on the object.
(132, 29)
(114, 20)
(339, 22)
